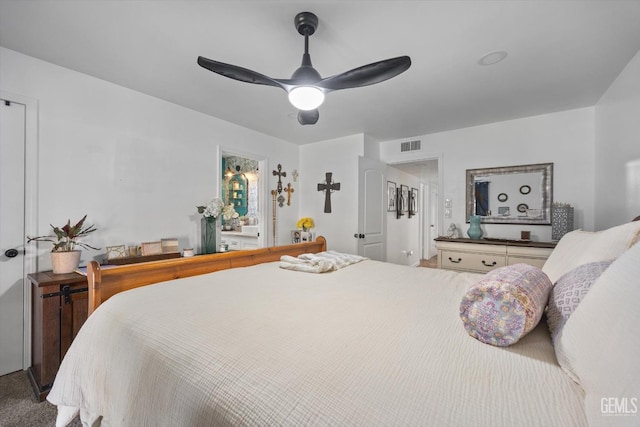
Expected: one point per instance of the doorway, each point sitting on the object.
(429, 172)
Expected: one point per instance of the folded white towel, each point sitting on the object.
(321, 262)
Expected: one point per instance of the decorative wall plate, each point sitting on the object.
(525, 189)
(502, 197)
(522, 207)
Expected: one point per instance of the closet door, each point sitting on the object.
(12, 160)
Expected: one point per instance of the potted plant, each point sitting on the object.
(64, 255)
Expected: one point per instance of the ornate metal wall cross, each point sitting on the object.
(328, 187)
(279, 174)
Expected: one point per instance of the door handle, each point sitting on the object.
(11, 253)
(358, 236)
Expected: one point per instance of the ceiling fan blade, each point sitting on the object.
(309, 117)
(238, 73)
(367, 74)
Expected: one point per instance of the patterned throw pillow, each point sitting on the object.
(569, 291)
(506, 304)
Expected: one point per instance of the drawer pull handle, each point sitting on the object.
(488, 265)
(455, 262)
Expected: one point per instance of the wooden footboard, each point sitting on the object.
(104, 283)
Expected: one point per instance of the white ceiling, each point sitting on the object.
(562, 54)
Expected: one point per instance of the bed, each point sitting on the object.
(365, 345)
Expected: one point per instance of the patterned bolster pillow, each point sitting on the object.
(506, 304)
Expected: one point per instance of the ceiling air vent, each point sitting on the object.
(410, 146)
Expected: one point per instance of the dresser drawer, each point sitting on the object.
(535, 261)
(532, 256)
(470, 261)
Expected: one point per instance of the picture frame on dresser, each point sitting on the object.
(151, 248)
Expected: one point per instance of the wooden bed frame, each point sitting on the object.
(106, 282)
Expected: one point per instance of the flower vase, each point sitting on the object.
(306, 235)
(474, 231)
(210, 235)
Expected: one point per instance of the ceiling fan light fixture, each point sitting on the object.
(306, 98)
(306, 88)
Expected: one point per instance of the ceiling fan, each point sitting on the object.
(306, 88)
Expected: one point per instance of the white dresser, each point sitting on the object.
(480, 256)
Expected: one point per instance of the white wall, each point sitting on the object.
(565, 138)
(617, 149)
(137, 165)
(339, 156)
(403, 234)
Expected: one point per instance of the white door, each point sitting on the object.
(12, 158)
(372, 209)
(433, 220)
(425, 221)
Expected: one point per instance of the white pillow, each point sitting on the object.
(580, 247)
(600, 343)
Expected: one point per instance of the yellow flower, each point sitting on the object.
(305, 223)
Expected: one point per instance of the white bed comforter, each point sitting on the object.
(373, 344)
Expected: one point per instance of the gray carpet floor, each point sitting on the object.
(19, 407)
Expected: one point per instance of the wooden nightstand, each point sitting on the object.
(59, 305)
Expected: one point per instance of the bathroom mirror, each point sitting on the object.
(511, 195)
(240, 188)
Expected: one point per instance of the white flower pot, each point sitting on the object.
(65, 262)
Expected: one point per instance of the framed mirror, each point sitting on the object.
(511, 195)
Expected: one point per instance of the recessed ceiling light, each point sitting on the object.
(492, 57)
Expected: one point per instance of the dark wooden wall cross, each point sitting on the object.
(328, 187)
(279, 174)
